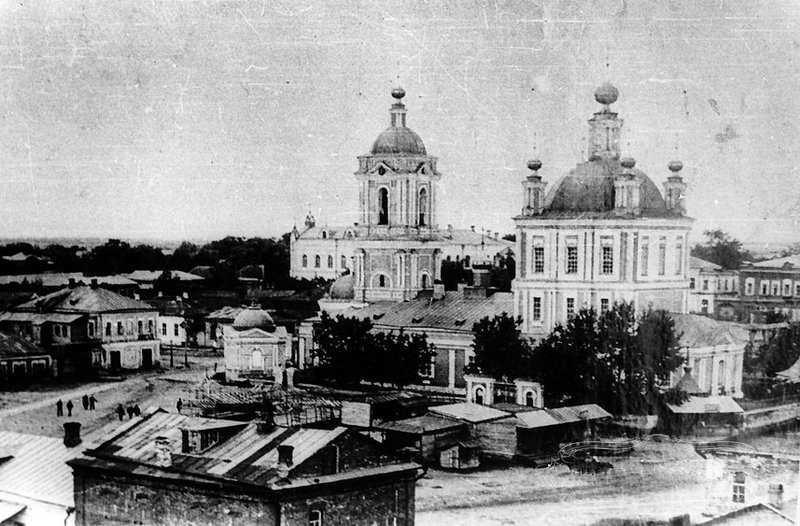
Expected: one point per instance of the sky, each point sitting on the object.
(196, 119)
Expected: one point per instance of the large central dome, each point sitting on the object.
(398, 139)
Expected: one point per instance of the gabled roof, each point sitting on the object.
(12, 346)
(702, 264)
(561, 415)
(85, 300)
(61, 279)
(454, 312)
(422, 425)
(148, 276)
(702, 331)
(468, 412)
(707, 405)
(787, 262)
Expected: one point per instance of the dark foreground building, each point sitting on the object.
(166, 468)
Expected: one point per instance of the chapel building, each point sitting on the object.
(603, 234)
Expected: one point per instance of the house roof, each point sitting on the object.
(702, 264)
(85, 300)
(702, 331)
(454, 312)
(61, 279)
(784, 262)
(536, 419)
(759, 513)
(247, 455)
(148, 276)
(469, 412)
(561, 415)
(12, 346)
(421, 425)
(225, 314)
(707, 405)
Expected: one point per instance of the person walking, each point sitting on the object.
(70, 405)
(120, 412)
(130, 413)
(136, 410)
(85, 402)
(59, 408)
(92, 402)
(179, 405)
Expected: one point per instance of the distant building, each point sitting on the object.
(602, 235)
(46, 282)
(216, 323)
(768, 287)
(22, 361)
(255, 348)
(396, 249)
(147, 278)
(176, 320)
(713, 291)
(174, 469)
(89, 326)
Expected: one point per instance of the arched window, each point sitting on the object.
(383, 206)
(324, 234)
(256, 360)
(425, 281)
(305, 261)
(381, 281)
(466, 261)
(330, 261)
(530, 399)
(478, 395)
(721, 377)
(344, 262)
(423, 206)
(315, 518)
(317, 261)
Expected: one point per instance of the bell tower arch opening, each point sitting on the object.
(383, 206)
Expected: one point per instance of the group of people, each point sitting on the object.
(132, 411)
(88, 402)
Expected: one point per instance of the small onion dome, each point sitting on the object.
(398, 93)
(606, 94)
(675, 166)
(253, 317)
(534, 164)
(628, 162)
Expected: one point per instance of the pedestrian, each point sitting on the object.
(85, 402)
(92, 402)
(136, 410)
(120, 412)
(179, 405)
(70, 405)
(59, 408)
(130, 413)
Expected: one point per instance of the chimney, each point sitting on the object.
(160, 294)
(163, 452)
(481, 276)
(93, 283)
(72, 283)
(285, 454)
(438, 290)
(472, 227)
(776, 496)
(72, 434)
(497, 236)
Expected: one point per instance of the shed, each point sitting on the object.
(426, 435)
(368, 410)
(540, 433)
(494, 430)
(461, 455)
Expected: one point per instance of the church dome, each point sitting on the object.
(343, 288)
(253, 317)
(399, 140)
(589, 188)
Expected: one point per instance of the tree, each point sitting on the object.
(500, 351)
(342, 348)
(615, 360)
(396, 358)
(722, 249)
(781, 351)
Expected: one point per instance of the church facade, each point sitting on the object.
(396, 248)
(604, 234)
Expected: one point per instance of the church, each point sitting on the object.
(396, 248)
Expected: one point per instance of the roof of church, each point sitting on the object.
(701, 331)
(253, 317)
(398, 140)
(688, 384)
(343, 288)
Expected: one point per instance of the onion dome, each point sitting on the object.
(534, 164)
(398, 139)
(253, 317)
(675, 166)
(343, 288)
(606, 94)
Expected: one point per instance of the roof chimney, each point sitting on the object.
(472, 227)
(72, 283)
(93, 283)
(72, 434)
(285, 454)
(438, 290)
(163, 452)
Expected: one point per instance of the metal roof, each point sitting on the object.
(468, 412)
(147, 276)
(61, 279)
(85, 300)
(701, 331)
(561, 415)
(454, 312)
(421, 425)
(14, 346)
(702, 264)
(9, 509)
(707, 405)
(535, 419)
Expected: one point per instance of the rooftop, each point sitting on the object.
(61, 279)
(83, 299)
(784, 262)
(148, 276)
(701, 331)
(468, 412)
(12, 346)
(707, 404)
(702, 264)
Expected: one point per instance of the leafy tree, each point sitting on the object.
(722, 249)
(397, 358)
(453, 273)
(781, 351)
(500, 350)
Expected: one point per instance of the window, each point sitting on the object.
(315, 518)
(787, 289)
(381, 280)
(317, 261)
(738, 487)
(572, 260)
(305, 261)
(704, 306)
(383, 206)
(662, 256)
(478, 395)
(537, 309)
(530, 399)
(175, 329)
(426, 370)
(721, 378)
(466, 261)
(797, 289)
(604, 305)
(330, 261)
(324, 234)
(332, 452)
(776, 288)
(120, 328)
(692, 283)
(90, 329)
(608, 260)
(423, 206)
(150, 326)
(108, 329)
(749, 286)
(425, 281)
(140, 326)
(570, 307)
(705, 284)
(538, 259)
(163, 329)
(65, 331)
(130, 326)
(57, 329)
(679, 257)
(344, 262)
(765, 288)
(646, 255)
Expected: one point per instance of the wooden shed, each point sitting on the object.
(540, 433)
(494, 430)
(427, 435)
(461, 455)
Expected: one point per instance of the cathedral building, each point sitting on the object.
(396, 248)
(603, 234)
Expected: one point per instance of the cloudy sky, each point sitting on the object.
(194, 119)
